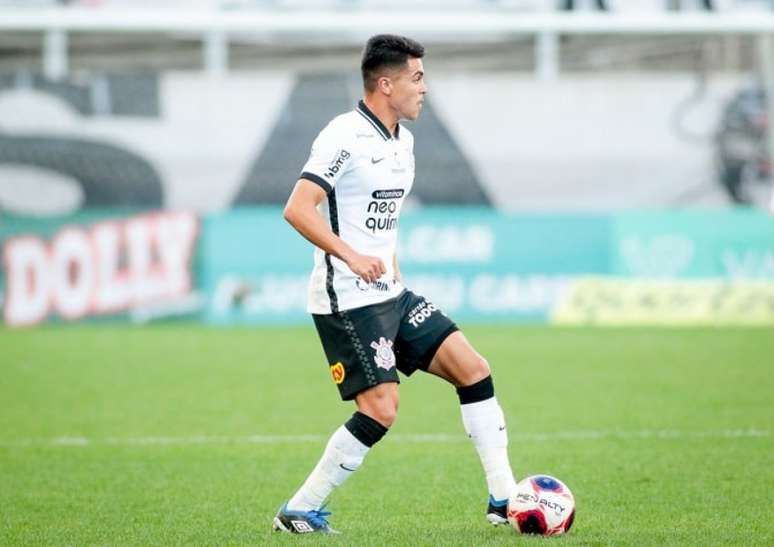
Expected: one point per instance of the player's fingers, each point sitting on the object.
(382, 268)
(365, 272)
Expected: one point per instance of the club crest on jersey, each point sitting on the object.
(385, 357)
(338, 372)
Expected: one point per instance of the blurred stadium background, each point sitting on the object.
(604, 161)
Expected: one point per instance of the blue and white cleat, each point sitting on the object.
(497, 511)
(302, 522)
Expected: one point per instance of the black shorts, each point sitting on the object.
(367, 346)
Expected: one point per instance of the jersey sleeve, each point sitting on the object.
(330, 158)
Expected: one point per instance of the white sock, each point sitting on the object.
(485, 424)
(342, 456)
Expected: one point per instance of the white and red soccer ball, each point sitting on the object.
(541, 505)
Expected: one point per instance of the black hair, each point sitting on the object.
(387, 51)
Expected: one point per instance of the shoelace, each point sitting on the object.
(317, 517)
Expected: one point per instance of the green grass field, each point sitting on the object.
(189, 435)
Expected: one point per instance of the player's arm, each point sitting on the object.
(301, 213)
(395, 267)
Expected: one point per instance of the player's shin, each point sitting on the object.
(485, 425)
(343, 455)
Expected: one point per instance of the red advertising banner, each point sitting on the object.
(104, 268)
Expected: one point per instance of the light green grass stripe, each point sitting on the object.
(442, 438)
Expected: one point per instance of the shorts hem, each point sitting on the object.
(427, 358)
(350, 395)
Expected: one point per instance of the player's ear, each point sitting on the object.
(385, 85)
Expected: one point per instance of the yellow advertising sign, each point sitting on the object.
(618, 301)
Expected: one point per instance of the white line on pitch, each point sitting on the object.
(441, 438)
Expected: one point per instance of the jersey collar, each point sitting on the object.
(364, 111)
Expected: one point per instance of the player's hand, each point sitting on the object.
(370, 268)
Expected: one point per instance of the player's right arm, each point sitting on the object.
(301, 212)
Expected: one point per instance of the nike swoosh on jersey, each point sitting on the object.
(346, 468)
(375, 161)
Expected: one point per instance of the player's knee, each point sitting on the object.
(476, 371)
(482, 368)
(380, 403)
(384, 411)
(386, 414)
(387, 409)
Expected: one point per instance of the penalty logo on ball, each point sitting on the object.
(543, 505)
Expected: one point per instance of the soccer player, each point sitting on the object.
(347, 203)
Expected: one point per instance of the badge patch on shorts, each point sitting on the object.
(385, 358)
(337, 371)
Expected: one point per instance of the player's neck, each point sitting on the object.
(382, 111)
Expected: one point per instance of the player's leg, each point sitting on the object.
(457, 362)
(428, 340)
(461, 365)
(348, 446)
(367, 376)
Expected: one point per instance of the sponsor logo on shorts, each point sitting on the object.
(420, 312)
(338, 372)
(384, 358)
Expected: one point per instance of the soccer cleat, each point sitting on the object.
(302, 522)
(497, 512)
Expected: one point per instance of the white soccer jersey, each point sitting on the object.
(367, 174)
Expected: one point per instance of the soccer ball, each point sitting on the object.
(543, 505)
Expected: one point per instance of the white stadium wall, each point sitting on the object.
(185, 140)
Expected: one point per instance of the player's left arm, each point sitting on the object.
(396, 267)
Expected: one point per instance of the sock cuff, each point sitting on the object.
(365, 429)
(480, 391)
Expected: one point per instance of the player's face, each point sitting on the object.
(408, 90)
